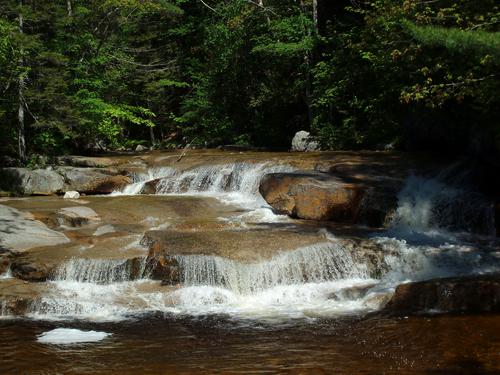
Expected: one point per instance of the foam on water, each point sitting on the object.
(325, 279)
(7, 274)
(235, 184)
(65, 336)
(430, 207)
(315, 263)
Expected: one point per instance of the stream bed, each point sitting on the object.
(199, 275)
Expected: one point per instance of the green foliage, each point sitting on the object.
(115, 73)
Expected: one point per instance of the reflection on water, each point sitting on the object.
(164, 344)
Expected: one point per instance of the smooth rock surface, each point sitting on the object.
(31, 182)
(312, 196)
(108, 185)
(472, 294)
(78, 215)
(19, 232)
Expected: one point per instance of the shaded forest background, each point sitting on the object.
(79, 76)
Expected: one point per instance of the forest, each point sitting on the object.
(87, 76)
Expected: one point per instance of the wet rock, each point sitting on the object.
(5, 259)
(26, 268)
(151, 187)
(377, 206)
(31, 182)
(141, 148)
(473, 294)
(77, 216)
(245, 246)
(19, 232)
(242, 246)
(313, 196)
(302, 141)
(107, 185)
(71, 195)
(351, 293)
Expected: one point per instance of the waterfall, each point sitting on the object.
(235, 183)
(311, 264)
(101, 271)
(426, 204)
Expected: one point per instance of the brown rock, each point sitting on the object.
(107, 185)
(473, 294)
(151, 186)
(313, 196)
(25, 268)
(5, 257)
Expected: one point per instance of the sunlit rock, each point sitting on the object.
(20, 232)
(313, 196)
(31, 182)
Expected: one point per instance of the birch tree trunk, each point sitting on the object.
(69, 7)
(21, 82)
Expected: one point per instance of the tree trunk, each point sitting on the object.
(70, 8)
(152, 136)
(315, 15)
(20, 113)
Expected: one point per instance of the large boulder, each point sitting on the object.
(302, 141)
(92, 180)
(472, 294)
(311, 195)
(31, 182)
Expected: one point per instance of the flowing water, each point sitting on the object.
(301, 309)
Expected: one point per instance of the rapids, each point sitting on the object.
(105, 278)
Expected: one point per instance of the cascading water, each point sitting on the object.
(316, 280)
(101, 271)
(429, 204)
(236, 183)
(313, 264)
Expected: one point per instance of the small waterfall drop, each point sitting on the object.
(102, 271)
(430, 204)
(311, 264)
(234, 183)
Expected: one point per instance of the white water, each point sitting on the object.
(235, 184)
(65, 336)
(430, 206)
(7, 274)
(101, 271)
(312, 264)
(314, 281)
